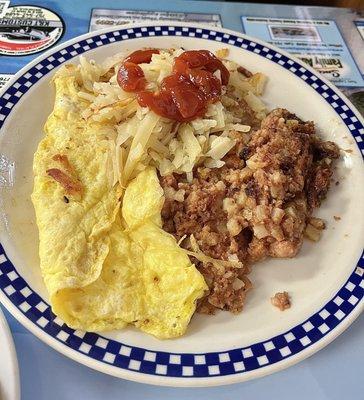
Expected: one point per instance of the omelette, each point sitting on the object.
(104, 257)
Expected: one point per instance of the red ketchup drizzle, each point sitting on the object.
(185, 94)
(130, 76)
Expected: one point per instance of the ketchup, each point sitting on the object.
(141, 56)
(185, 94)
(130, 76)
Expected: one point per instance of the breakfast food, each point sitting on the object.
(281, 300)
(257, 205)
(161, 179)
(105, 267)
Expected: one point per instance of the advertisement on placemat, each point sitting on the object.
(318, 43)
(28, 30)
(105, 18)
(3, 7)
(4, 79)
(328, 39)
(360, 25)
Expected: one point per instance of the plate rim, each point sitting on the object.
(172, 380)
(167, 381)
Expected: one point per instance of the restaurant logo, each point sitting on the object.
(332, 67)
(28, 29)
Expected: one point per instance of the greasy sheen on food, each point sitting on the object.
(258, 205)
(105, 264)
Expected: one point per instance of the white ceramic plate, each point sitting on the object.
(325, 280)
(9, 375)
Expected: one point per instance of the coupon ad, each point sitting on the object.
(4, 78)
(329, 39)
(360, 25)
(104, 18)
(3, 7)
(28, 30)
(318, 43)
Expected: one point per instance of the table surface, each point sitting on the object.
(334, 373)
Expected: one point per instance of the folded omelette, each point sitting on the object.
(104, 257)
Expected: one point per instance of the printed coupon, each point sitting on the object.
(4, 79)
(103, 18)
(4, 4)
(316, 42)
(28, 30)
(360, 25)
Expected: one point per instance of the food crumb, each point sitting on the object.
(337, 183)
(281, 300)
(222, 53)
(336, 218)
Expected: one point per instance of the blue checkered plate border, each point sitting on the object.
(15, 290)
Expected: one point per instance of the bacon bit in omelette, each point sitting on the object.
(281, 300)
(68, 178)
(70, 185)
(245, 72)
(63, 160)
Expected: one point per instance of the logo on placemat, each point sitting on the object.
(28, 30)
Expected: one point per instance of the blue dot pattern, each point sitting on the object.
(160, 363)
